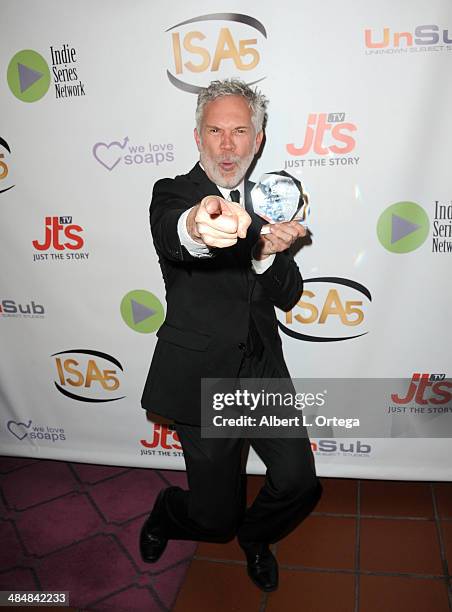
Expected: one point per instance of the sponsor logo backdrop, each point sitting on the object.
(359, 113)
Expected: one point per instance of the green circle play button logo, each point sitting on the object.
(142, 311)
(403, 227)
(28, 76)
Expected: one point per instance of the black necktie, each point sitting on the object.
(235, 196)
(254, 344)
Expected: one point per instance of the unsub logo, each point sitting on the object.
(11, 308)
(424, 38)
(335, 447)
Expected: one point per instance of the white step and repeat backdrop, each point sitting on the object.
(97, 103)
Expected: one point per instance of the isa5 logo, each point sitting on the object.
(215, 46)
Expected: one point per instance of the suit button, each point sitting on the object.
(242, 346)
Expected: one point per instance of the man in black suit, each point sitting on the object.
(223, 279)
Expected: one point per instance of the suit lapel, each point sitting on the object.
(202, 181)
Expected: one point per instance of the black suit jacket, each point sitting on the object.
(209, 303)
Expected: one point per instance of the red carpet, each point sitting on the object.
(74, 527)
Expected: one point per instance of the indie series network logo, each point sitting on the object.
(403, 227)
(142, 311)
(28, 76)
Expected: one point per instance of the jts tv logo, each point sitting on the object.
(220, 46)
(423, 38)
(439, 390)
(88, 376)
(5, 152)
(327, 134)
(60, 234)
(164, 440)
(329, 311)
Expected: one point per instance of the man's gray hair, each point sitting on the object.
(234, 87)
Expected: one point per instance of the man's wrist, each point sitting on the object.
(191, 225)
(262, 265)
(261, 256)
(258, 252)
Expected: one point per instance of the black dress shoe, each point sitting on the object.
(262, 567)
(152, 545)
(152, 539)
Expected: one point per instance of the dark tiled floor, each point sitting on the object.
(369, 546)
(74, 527)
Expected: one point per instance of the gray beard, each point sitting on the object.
(215, 175)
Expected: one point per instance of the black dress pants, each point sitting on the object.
(214, 507)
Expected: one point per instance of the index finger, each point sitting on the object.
(215, 206)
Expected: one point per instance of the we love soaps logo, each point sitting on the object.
(27, 431)
(18, 429)
(112, 154)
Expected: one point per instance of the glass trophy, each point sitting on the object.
(279, 197)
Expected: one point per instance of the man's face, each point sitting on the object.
(228, 141)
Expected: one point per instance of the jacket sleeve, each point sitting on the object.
(170, 198)
(282, 282)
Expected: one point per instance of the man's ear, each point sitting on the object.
(259, 138)
(197, 138)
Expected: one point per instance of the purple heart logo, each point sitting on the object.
(108, 154)
(14, 428)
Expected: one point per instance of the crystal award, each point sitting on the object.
(279, 197)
